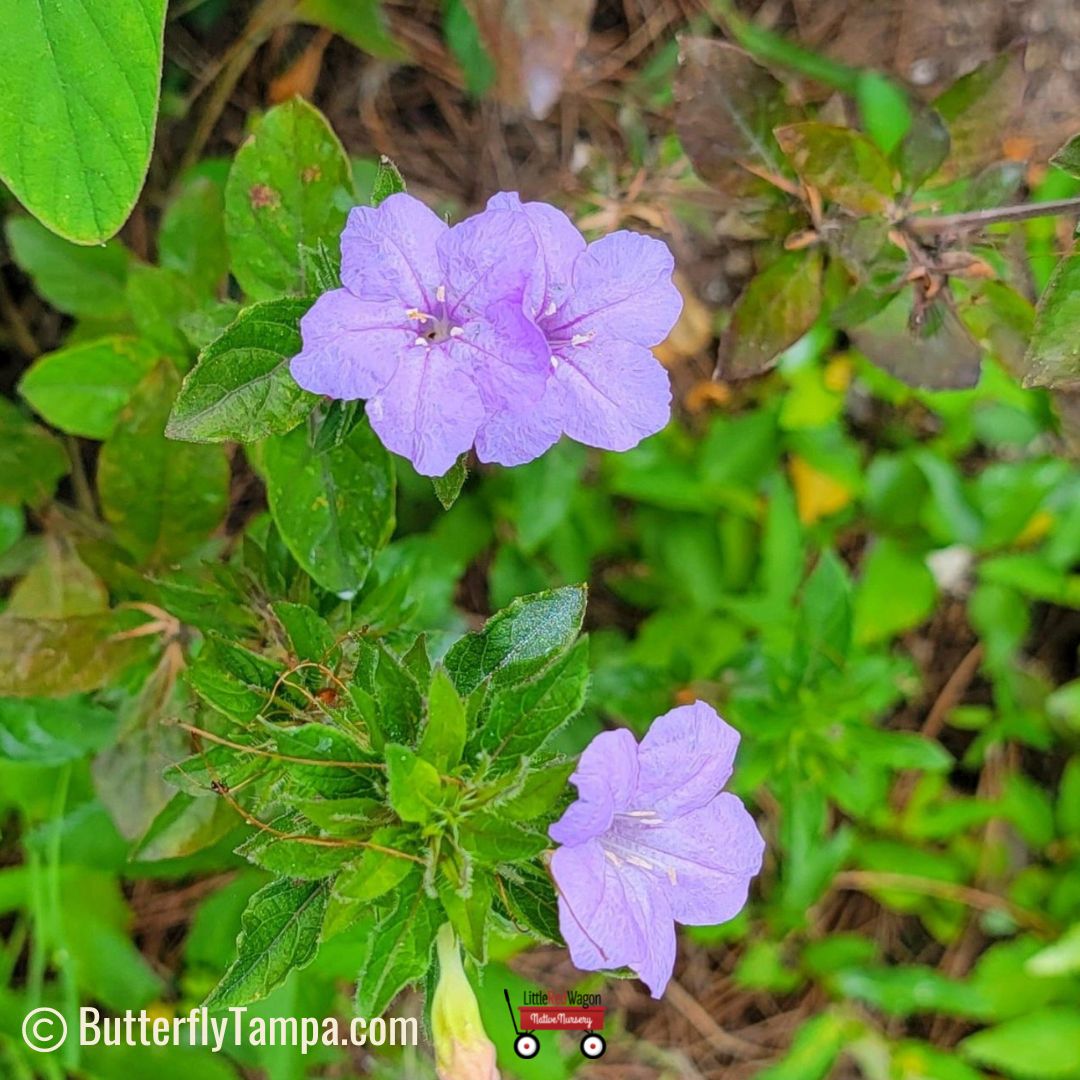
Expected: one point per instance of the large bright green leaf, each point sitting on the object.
(79, 83)
(161, 498)
(241, 388)
(81, 390)
(289, 185)
(1043, 1045)
(334, 510)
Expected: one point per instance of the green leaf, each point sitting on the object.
(1060, 958)
(727, 106)
(924, 148)
(59, 657)
(463, 37)
(1067, 158)
(1053, 357)
(846, 167)
(161, 499)
(289, 185)
(376, 872)
(335, 423)
(241, 389)
(82, 389)
(518, 641)
(85, 282)
(896, 592)
(232, 679)
(398, 951)
(185, 825)
(884, 109)
(1042, 1045)
(923, 346)
(493, 839)
(160, 301)
(279, 933)
(773, 312)
(80, 92)
(59, 584)
(51, 731)
(388, 181)
(521, 719)
(360, 22)
(531, 901)
(448, 486)
(295, 855)
(825, 613)
(31, 460)
(334, 510)
(191, 240)
(468, 911)
(414, 787)
(443, 738)
(309, 634)
(978, 109)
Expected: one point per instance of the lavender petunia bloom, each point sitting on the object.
(601, 307)
(652, 841)
(429, 327)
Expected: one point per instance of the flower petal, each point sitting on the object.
(484, 259)
(513, 437)
(605, 777)
(613, 916)
(622, 288)
(559, 245)
(388, 252)
(705, 859)
(614, 393)
(351, 347)
(429, 411)
(684, 760)
(507, 355)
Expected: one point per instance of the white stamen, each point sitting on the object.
(641, 813)
(550, 309)
(456, 331)
(421, 341)
(583, 339)
(417, 315)
(440, 294)
(672, 876)
(554, 363)
(635, 860)
(614, 859)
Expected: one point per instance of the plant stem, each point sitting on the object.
(973, 220)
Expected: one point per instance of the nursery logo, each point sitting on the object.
(548, 1010)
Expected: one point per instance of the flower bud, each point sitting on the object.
(462, 1049)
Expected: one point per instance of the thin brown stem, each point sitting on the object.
(974, 220)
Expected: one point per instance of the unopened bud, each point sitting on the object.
(462, 1049)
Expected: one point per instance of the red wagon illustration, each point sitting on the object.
(528, 1019)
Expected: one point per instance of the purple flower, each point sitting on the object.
(652, 841)
(429, 327)
(601, 307)
(504, 332)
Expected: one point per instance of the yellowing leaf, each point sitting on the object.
(817, 494)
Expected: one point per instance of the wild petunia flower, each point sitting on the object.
(652, 841)
(601, 307)
(429, 327)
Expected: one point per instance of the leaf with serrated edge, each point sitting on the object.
(279, 933)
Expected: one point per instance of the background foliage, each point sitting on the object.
(860, 542)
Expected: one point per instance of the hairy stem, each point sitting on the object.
(973, 220)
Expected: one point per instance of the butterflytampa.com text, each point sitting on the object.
(235, 1027)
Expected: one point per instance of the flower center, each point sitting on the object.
(435, 326)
